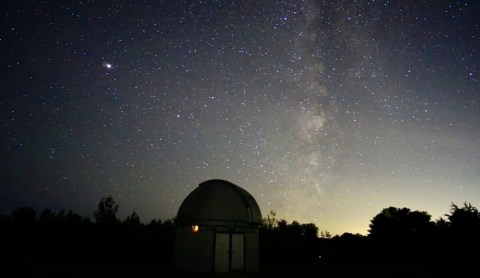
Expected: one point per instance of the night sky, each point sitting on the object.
(325, 111)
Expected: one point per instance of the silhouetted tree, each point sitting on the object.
(283, 241)
(309, 231)
(441, 227)
(47, 217)
(282, 226)
(106, 212)
(155, 223)
(350, 236)
(325, 234)
(133, 219)
(420, 225)
(270, 222)
(24, 215)
(108, 235)
(401, 224)
(464, 221)
(461, 240)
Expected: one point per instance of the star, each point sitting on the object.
(106, 65)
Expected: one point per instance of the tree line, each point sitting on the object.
(395, 235)
(67, 236)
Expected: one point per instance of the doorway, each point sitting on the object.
(229, 252)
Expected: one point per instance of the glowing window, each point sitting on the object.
(195, 228)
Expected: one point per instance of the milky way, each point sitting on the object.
(325, 112)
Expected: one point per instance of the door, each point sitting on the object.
(229, 252)
(222, 252)
(238, 257)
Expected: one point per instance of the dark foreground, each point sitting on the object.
(104, 270)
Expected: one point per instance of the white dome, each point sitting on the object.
(219, 202)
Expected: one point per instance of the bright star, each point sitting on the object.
(106, 65)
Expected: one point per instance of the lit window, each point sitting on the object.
(195, 228)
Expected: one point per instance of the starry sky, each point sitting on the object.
(325, 111)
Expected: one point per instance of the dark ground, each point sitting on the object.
(297, 270)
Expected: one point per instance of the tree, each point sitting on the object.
(325, 234)
(464, 221)
(309, 230)
(24, 215)
(270, 222)
(47, 217)
(106, 212)
(420, 225)
(133, 219)
(401, 224)
(442, 226)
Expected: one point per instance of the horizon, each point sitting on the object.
(122, 215)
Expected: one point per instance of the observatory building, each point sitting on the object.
(217, 229)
